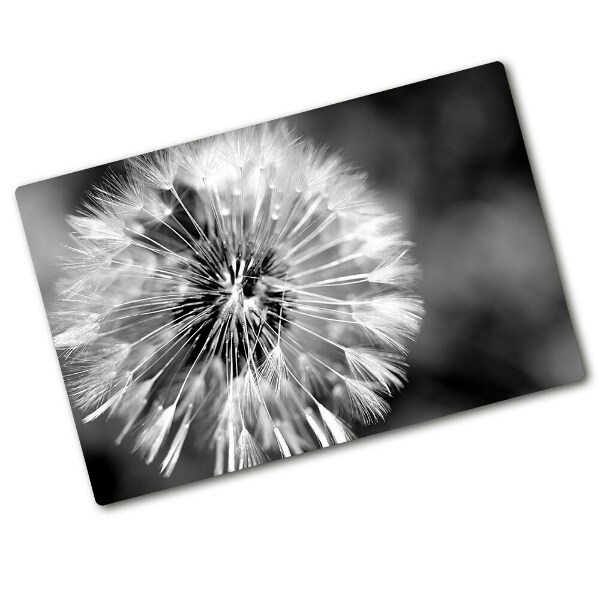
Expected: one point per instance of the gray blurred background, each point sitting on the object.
(447, 154)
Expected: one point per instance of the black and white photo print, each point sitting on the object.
(296, 284)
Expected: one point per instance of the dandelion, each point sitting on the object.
(247, 293)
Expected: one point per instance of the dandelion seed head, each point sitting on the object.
(247, 292)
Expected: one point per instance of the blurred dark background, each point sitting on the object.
(447, 154)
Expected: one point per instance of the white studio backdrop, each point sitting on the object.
(500, 502)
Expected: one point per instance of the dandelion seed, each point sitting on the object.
(249, 452)
(339, 431)
(154, 431)
(273, 367)
(117, 392)
(246, 292)
(317, 430)
(77, 329)
(157, 169)
(130, 411)
(283, 447)
(397, 271)
(377, 366)
(392, 319)
(367, 404)
(172, 456)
